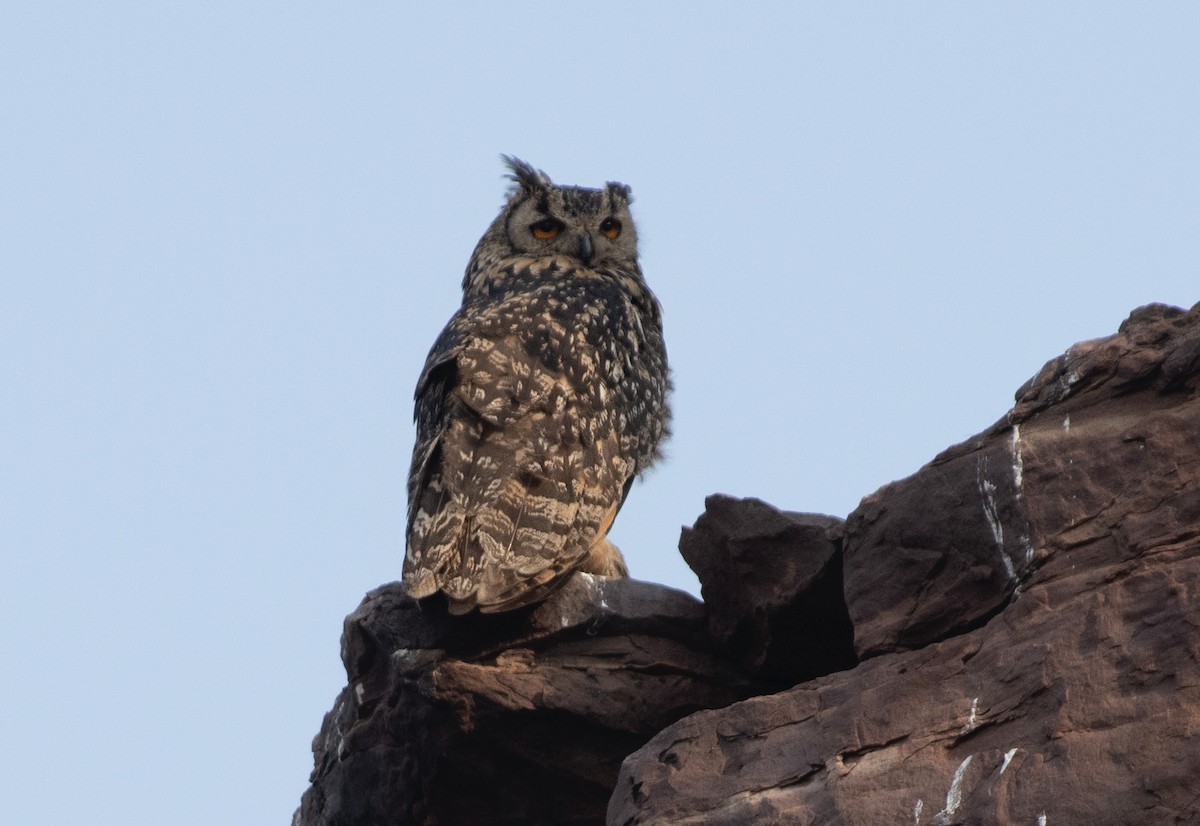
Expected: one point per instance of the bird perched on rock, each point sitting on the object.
(540, 402)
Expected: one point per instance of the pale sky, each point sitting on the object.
(229, 233)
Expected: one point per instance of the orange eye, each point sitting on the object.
(546, 228)
(611, 228)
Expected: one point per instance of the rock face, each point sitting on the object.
(1009, 635)
(1025, 607)
(772, 584)
(507, 719)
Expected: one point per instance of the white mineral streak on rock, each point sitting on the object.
(988, 491)
(954, 795)
(1019, 485)
(971, 717)
(1018, 462)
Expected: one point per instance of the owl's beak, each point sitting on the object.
(585, 248)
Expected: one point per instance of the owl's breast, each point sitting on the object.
(612, 355)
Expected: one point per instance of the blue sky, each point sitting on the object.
(230, 232)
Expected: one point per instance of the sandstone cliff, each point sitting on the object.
(1010, 635)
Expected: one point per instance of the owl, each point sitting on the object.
(541, 401)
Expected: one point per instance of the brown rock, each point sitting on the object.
(517, 718)
(944, 550)
(937, 553)
(1027, 607)
(772, 584)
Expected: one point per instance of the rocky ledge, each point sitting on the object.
(512, 718)
(1010, 635)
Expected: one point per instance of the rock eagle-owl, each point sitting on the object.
(540, 402)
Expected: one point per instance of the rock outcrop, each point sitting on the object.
(1009, 635)
(1025, 607)
(519, 718)
(772, 584)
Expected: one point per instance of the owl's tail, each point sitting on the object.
(511, 552)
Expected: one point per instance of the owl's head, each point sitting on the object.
(542, 219)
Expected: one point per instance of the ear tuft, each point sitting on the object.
(525, 176)
(619, 192)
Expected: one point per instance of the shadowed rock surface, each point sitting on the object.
(772, 583)
(1026, 610)
(513, 718)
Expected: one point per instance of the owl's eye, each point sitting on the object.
(546, 228)
(611, 228)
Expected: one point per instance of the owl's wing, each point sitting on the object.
(515, 478)
(430, 409)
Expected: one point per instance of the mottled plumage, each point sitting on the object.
(540, 402)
